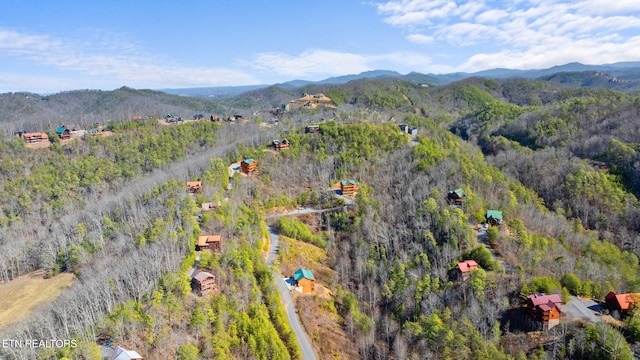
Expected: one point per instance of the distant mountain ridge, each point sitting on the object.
(626, 73)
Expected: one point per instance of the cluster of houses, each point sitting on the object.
(543, 311)
(63, 132)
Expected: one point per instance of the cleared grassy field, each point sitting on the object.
(18, 298)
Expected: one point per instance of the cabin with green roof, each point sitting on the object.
(348, 186)
(305, 280)
(494, 217)
(63, 133)
(249, 165)
(456, 197)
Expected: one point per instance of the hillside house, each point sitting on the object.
(280, 144)
(234, 118)
(494, 217)
(623, 303)
(248, 165)
(123, 354)
(35, 137)
(544, 311)
(209, 243)
(348, 186)
(312, 129)
(404, 128)
(210, 205)
(413, 131)
(464, 269)
(203, 283)
(96, 131)
(456, 197)
(194, 186)
(305, 280)
(63, 133)
(215, 118)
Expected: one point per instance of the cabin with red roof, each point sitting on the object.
(209, 243)
(624, 303)
(464, 269)
(544, 311)
(35, 137)
(203, 283)
(194, 186)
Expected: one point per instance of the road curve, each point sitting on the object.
(294, 321)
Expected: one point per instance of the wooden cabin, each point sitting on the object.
(623, 303)
(305, 280)
(348, 187)
(494, 217)
(209, 243)
(194, 186)
(248, 166)
(280, 144)
(63, 133)
(96, 131)
(456, 197)
(210, 205)
(464, 269)
(203, 283)
(312, 129)
(35, 137)
(123, 354)
(544, 311)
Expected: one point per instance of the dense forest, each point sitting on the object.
(560, 163)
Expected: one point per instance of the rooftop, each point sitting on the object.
(303, 273)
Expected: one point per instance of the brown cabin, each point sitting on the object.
(35, 137)
(624, 303)
(203, 283)
(312, 129)
(544, 311)
(248, 165)
(210, 243)
(456, 197)
(305, 280)
(63, 133)
(194, 186)
(280, 144)
(348, 187)
(464, 268)
(210, 205)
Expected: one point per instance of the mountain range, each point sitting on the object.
(622, 76)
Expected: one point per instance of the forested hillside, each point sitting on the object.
(559, 163)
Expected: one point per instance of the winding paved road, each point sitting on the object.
(285, 295)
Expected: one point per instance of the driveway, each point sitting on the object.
(285, 295)
(578, 309)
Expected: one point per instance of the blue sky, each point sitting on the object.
(49, 46)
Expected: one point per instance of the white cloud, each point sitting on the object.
(546, 55)
(311, 63)
(526, 33)
(420, 38)
(109, 60)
